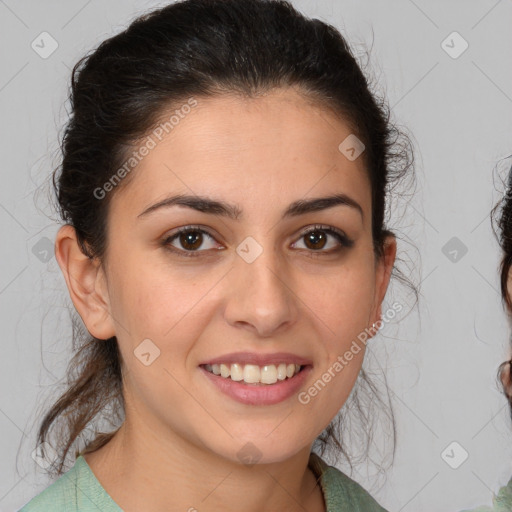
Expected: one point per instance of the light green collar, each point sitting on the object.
(500, 503)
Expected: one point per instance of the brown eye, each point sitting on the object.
(316, 239)
(190, 240)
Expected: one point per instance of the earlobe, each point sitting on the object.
(86, 283)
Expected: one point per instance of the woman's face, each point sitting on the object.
(505, 375)
(248, 289)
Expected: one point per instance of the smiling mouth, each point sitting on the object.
(253, 374)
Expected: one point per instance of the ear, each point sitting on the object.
(505, 380)
(86, 283)
(383, 275)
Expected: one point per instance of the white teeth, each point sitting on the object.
(224, 370)
(237, 372)
(253, 374)
(269, 374)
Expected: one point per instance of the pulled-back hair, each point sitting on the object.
(502, 223)
(122, 90)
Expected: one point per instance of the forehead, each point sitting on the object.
(274, 148)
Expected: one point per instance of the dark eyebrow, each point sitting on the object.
(213, 207)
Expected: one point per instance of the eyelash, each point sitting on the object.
(342, 238)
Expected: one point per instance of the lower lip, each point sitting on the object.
(259, 394)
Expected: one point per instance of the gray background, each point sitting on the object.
(440, 359)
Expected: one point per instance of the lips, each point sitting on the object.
(259, 394)
(258, 379)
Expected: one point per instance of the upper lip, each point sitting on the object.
(259, 359)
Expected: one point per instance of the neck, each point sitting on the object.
(142, 472)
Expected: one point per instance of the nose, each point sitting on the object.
(261, 296)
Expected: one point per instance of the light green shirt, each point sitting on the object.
(500, 503)
(78, 490)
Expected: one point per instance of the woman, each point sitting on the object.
(502, 214)
(223, 186)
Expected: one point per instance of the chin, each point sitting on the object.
(262, 450)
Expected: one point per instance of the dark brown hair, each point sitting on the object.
(120, 91)
(502, 225)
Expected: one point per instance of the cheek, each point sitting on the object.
(342, 305)
(162, 305)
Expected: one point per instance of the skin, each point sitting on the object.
(505, 373)
(260, 154)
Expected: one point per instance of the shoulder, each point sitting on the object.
(77, 490)
(59, 496)
(341, 491)
(501, 503)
